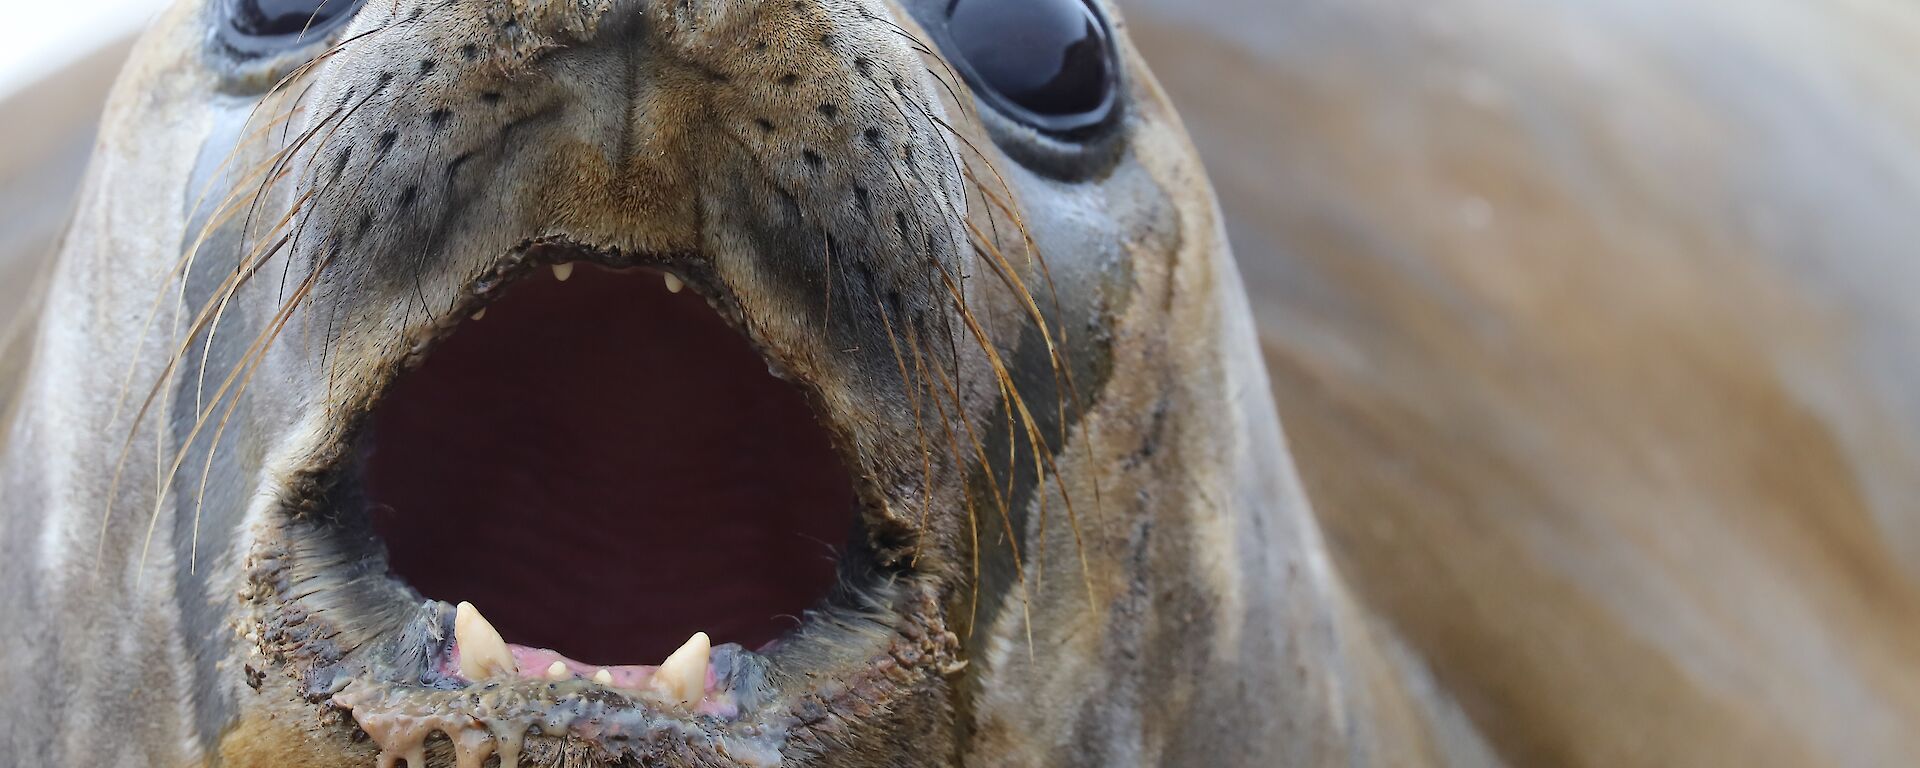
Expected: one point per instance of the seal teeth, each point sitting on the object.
(562, 271)
(482, 653)
(603, 677)
(675, 284)
(683, 676)
(557, 671)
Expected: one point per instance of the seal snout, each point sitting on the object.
(619, 299)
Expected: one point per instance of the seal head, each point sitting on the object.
(378, 316)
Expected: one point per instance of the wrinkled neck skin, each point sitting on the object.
(1168, 600)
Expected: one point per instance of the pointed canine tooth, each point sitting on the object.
(557, 671)
(675, 284)
(683, 676)
(603, 677)
(482, 653)
(480, 315)
(562, 271)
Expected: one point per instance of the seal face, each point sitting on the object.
(451, 306)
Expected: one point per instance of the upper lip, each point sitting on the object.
(357, 642)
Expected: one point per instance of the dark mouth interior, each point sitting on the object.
(605, 467)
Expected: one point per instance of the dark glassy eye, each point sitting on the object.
(1048, 63)
(289, 20)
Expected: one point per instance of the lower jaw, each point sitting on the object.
(401, 687)
(608, 713)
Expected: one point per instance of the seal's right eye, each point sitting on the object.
(264, 23)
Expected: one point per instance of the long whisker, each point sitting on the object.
(251, 360)
(222, 214)
(1000, 500)
(182, 266)
(1043, 458)
(1063, 373)
(926, 452)
(1060, 371)
(360, 185)
(198, 325)
(319, 150)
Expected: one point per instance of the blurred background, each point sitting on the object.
(1594, 324)
(56, 61)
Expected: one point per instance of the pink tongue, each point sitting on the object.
(533, 664)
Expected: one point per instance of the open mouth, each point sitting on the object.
(606, 467)
(665, 541)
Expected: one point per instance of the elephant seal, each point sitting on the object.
(388, 332)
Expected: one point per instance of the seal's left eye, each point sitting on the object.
(1047, 63)
(293, 19)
